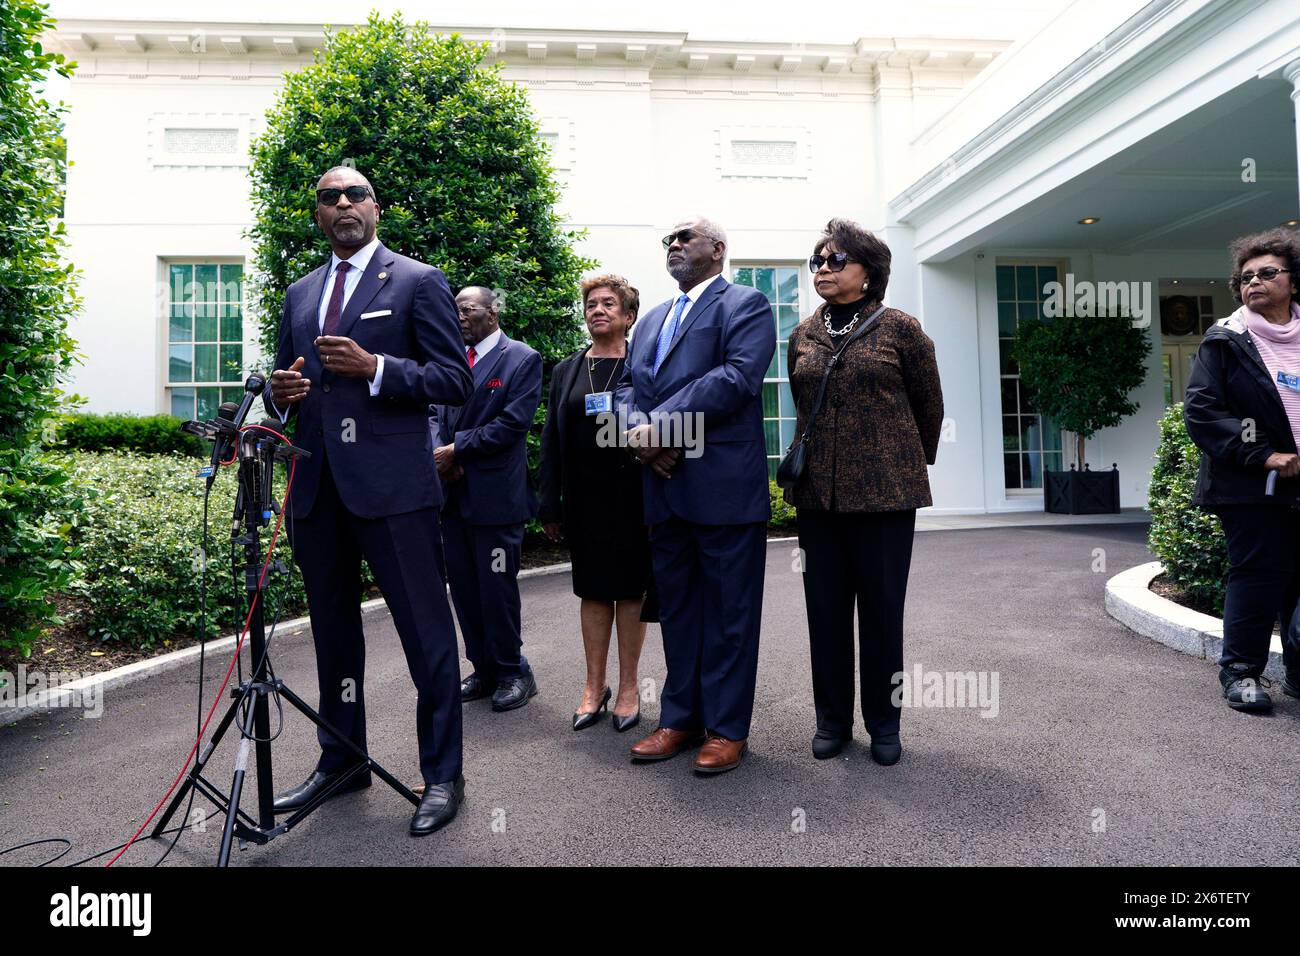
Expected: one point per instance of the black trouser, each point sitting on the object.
(402, 551)
(1263, 585)
(862, 558)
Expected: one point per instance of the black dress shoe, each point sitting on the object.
(438, 806)
(305, 792)
(581, 721)
(514, 692)
(826, 744)
(1291, 683)
(886, 750)
(474, 687)
(1244, 690)
(622, 724)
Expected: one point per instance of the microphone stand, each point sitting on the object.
(258, 451)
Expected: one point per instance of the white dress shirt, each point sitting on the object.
(358, 262)
(486, 346)
(692, 297)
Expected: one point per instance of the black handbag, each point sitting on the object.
(795, 461)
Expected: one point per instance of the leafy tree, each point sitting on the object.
(1079, 370)
(457, 162)
(37, 296)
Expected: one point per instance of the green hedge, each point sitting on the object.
(148, 434)
(141, 538)
(1188, 541)
(783, 514)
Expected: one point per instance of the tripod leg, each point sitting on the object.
(241, 765)
(205, 754)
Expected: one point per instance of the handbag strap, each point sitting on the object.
(830, 367)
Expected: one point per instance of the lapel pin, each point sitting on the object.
(383, 276)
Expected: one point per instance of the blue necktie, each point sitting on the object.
(667, 332)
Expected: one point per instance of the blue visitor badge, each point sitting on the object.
(1290, 381)
(598, 402)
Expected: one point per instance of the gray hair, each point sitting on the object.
(709, 229)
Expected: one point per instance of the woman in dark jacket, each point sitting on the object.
(877, 429)
(1242, 410)
(591, 498)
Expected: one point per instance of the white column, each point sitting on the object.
(1292, 73)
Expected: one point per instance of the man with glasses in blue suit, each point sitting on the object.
(697, 366)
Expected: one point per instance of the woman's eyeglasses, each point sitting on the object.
(330, 197)
(836, 261)
(1268, 274)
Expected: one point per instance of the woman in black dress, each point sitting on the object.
(591, 498)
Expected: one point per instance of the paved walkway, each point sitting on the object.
(1095, 725)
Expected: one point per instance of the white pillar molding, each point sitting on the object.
(1292, 73)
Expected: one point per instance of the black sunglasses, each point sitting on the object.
(330, 197)
(836, 260)
(685, 236)
(1268, 274)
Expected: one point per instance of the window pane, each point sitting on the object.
(1010, 433)
(770, 401)
(179, 289)
(1052, 461)
(232, 325)
(772, 464)
(1027, 284)
(205, 364)
(208, 401)
(743, 276)
(1051, 435)
(232, 395)
(1031, 433)
(205, 326)
(232, 283)
(787, 317)
(1006, 361)
(787, 401)
(771, 368)
(1032, 470)
(787, 285)
(1006, 318)
(1009, 404)
(1011, 470)
(1029, 311)
(180, 328)
(1006, 282)
(232, 363)
(782, 368)
(1046, 274)
(765, 282)
(787, 432)
(205, 276)
(182, 402)
(180, 363)
(772, 437)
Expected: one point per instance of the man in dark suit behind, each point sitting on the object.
(368, 342)
(483, 459)
(697, 362)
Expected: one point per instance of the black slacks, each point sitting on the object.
(860, 558)
(1263, 584)
(402, 551)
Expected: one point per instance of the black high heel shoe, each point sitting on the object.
(623, 724)
(583, 721)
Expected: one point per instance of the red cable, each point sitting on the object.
(293, 464)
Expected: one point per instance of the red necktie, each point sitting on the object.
(471, 355)
(334, 311)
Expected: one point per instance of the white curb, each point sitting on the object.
(130, 673)
(1130, 600)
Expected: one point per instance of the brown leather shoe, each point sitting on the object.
(719, 755)
(664, 743)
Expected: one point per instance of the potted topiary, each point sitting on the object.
(1078, 370)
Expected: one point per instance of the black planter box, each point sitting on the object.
(1081, 492)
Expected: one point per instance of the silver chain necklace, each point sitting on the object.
(834, 333)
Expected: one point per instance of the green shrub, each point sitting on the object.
(142, 541)
(783, 514)
(1188, 541)
(147, 434)
(38, 505)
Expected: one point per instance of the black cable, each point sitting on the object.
(22, 846)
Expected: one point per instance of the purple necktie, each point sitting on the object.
(334, 311)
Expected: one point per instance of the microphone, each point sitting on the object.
(234, 414)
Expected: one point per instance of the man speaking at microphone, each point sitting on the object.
(368, 342)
